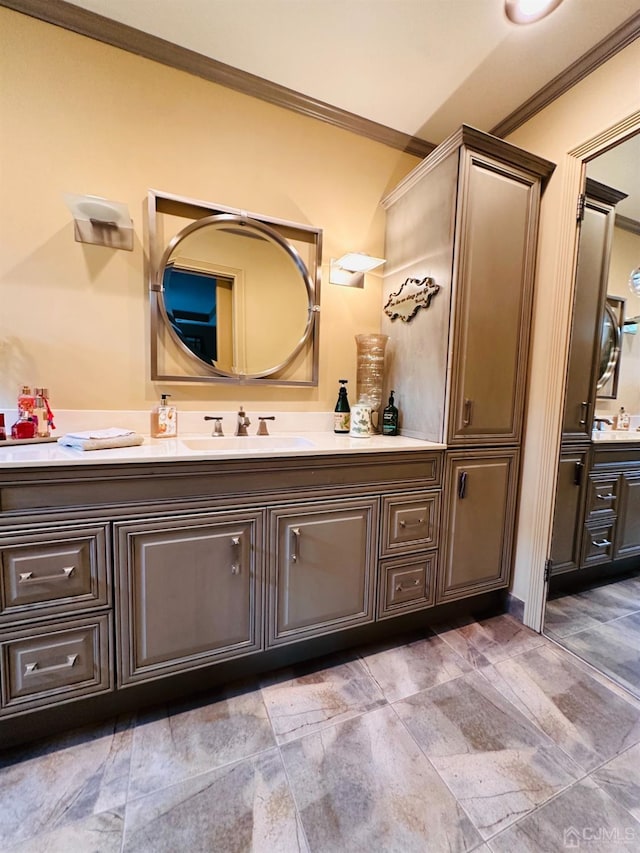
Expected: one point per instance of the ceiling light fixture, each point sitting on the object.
(529, 11)
(349, 270)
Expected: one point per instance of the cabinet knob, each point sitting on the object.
(415, 523)
(601, 543)
(462, 484)
(30, 668)
(609, 497)
(584, 411)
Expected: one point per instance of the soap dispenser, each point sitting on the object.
(390, 418)
(164, 419)
(623, 419)
(342, 411)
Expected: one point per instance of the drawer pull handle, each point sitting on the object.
(27, 577)
(30, 668)
(235, 565)
(295, 541)
(603, 543)
(400, 588)
(468, 408)
(416, 523)
(609, 497)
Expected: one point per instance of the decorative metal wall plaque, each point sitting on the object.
(414, 294)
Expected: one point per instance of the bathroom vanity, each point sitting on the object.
(123, 571)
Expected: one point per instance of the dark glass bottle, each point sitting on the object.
(342, 411)
(390, 418)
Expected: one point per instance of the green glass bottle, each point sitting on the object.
(342, 411)
(390, 418)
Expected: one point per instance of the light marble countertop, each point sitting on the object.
(193, 447)
(614, 436)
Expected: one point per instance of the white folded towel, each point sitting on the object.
(111, 432)
(101, 439)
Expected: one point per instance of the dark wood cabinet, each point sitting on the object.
(594, 249)
(466, 217)
(480, 504)
(566, 540)
(628, 530)
(322, 573)
(189, 592)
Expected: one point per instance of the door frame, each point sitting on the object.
(542, 444)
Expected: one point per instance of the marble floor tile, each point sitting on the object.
(611, 601)
(489, 640)
(582, 817)
(496, 762)
(48, 786)
(620, 778)
(302, 700)
(365, 785)
(98, 833)
(401, 670)
(241, 807)
(568, 614)
(614, 648)
(185, 739)
(590, 722)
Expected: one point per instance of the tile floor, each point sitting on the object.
(602, 626)
(478, 735)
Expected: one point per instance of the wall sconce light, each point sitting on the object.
(100, 221)
(349, 270)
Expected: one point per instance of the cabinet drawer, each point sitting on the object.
(597, 543)
(602, 497)
(54, 663)
(406, 585)
(55, 571)
(410, 523)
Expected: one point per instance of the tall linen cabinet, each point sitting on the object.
(467, 218)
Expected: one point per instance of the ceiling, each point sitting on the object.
(422, 67)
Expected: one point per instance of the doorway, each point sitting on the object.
(593, 605)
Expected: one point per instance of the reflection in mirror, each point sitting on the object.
(233, 298)
(609, 361)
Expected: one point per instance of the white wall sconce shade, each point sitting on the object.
(349, 270)
(100, 221)
(529, 11)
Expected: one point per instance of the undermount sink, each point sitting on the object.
(249, 442)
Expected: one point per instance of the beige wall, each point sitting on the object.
(605, 98)
(82, 117)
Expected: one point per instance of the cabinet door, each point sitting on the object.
(495, 252)
(591, 285)
(322, 574)
(481, 500)
(189, 592)
(628, 529)
(567, 520)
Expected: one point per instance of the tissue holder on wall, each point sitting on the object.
(100, 221)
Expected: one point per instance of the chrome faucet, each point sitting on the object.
(243, 423)
(217, 427)
(598, 422)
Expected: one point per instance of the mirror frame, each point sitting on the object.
(276, 231)
(614, 310)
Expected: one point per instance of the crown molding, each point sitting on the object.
(616, 41)
(627, 224)
(86, 23)
(92, 25)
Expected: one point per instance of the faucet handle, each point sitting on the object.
(262, 429)
(217, 427)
